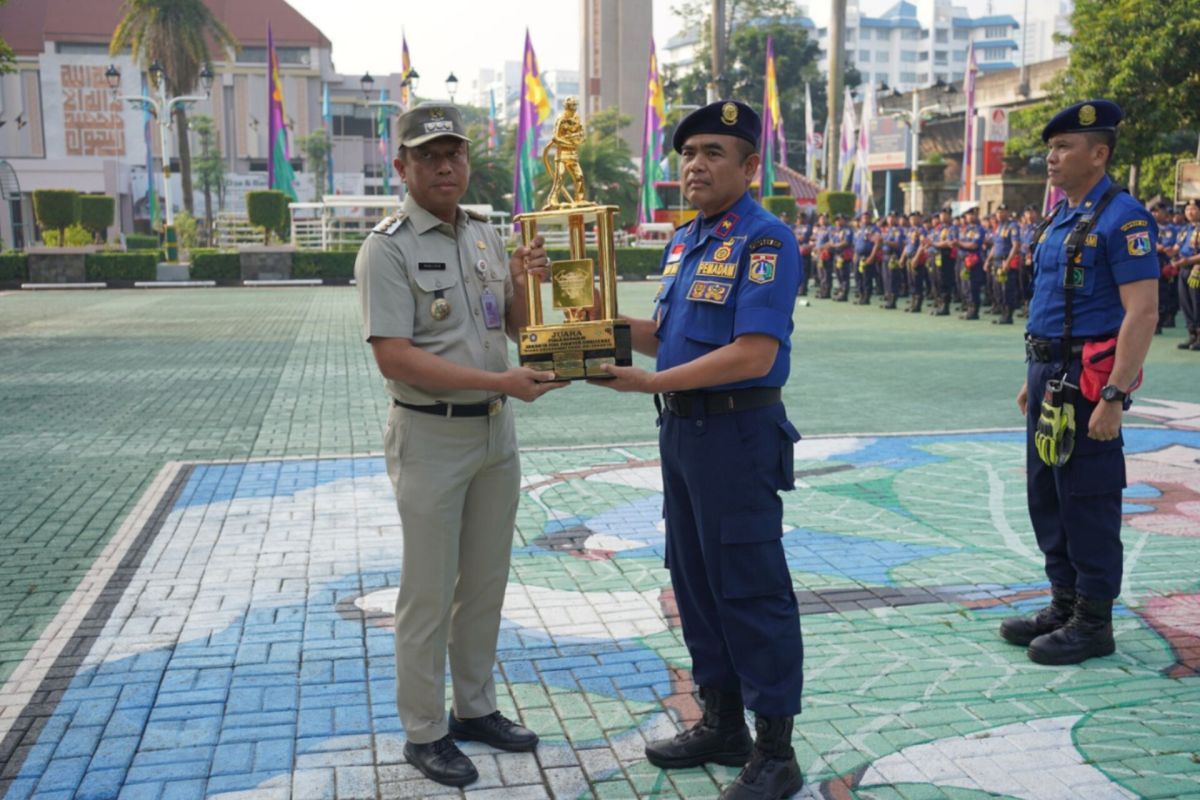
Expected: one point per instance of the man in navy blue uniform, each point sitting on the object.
(1005, 265)
(1107, 287)
(721, 333)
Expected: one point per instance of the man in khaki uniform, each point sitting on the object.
(438, 294)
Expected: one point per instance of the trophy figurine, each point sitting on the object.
(580, 345)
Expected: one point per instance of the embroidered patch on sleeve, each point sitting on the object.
(1138, 244)
(762, 267)
(766, 242)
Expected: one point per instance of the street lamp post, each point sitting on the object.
(163, 108)
(451, 86)
(913, 120)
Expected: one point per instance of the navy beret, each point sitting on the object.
(1090, 115)
(728, 117)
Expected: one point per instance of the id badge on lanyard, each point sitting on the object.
(491, 309)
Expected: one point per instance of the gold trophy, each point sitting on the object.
(577, 347)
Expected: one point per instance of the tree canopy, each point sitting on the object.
(1141, 54)
(797, 61)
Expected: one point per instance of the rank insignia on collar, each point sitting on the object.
(725, 225)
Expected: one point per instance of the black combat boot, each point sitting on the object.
(1088, 634)
(971, 312)
(1005, 316)
(943, 307)
(1024, 312)
(916, 303)
(1193, 336)
(889, 301)
(772, 772)
(720, 737)
(1023, 630)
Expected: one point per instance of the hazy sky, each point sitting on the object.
(465, 35)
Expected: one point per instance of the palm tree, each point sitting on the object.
(175, 33)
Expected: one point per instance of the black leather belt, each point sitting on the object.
(489, 409)
(1044, 351)
(686, 404)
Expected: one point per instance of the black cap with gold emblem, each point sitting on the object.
(1090, 115)
(429, 121)
(728, 117)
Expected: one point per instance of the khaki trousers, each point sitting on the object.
(456, 482)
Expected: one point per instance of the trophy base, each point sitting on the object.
(576, 350)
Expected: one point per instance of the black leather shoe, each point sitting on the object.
(442, 762)
(496, 730)
(1088, 634)
(720, 737)
(772, 773)
(1023, 630)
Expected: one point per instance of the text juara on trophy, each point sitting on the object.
(589, 335)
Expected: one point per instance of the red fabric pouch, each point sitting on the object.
(1099, 358)
(970, 260)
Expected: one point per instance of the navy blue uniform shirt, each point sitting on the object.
(1120, 249)
(740, 276)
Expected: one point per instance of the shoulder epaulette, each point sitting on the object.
(390, 224)
(475, 215)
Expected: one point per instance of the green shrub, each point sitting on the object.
(121, 266)
(833, 203)
(324, 264)
(186, 234)
(14, 266)
(215, 265)
(96, 214)
(267, 210)
(56, 209)
(77, 236)
(781, 204)
(141, 241)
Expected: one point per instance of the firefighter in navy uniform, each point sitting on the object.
(1091, 321)
(721, 333)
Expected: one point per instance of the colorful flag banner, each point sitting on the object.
(147, 131)
(327, 119)
(810, 135)
(968, 164)
(405, 72)
(772, 125)
(279, 166)
(653, 121)
(493, 139)
(383, 128)
(862, 170)
(849, 140)
(534, 109)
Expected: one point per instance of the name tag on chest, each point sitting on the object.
(427, 266)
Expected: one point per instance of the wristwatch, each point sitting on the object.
(1112, 394)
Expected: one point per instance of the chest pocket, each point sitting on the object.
(428, 284)
(707, 321)
(1085, 269)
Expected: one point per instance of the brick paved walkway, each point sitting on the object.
(200, 554)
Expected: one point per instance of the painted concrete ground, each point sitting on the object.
(230, 636)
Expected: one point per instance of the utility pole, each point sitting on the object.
(717, 87)
(837, 63)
